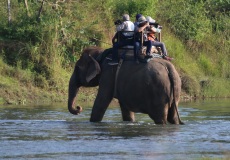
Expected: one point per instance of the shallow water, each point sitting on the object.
(50, 132)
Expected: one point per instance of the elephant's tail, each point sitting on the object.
(176, 109)
(176, 86)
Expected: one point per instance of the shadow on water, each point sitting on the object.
(50, 132)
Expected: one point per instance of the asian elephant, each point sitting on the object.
(152, 88)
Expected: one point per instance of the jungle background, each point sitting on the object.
(40, 41)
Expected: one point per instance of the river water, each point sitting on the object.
(51, 132)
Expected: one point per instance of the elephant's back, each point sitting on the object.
(141, 73)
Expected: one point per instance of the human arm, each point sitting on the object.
(140, 29)
(152, 29)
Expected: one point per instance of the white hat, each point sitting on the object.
(125, 17)
(150, 20)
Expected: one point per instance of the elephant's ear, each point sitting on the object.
(93, 69)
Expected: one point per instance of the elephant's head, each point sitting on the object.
(86, 73)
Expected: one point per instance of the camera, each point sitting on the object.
(156, 25)
(118, 22)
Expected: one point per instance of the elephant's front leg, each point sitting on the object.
(103, 99)
(100, 105)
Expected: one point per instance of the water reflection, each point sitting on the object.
(122, 130)
(50, 132)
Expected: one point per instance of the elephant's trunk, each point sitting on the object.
(73, 90)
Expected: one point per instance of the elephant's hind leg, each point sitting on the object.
(172, 116)
(159, 116)
(126, 114)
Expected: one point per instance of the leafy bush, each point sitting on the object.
(132, 7)
(187, 19)
(46, 45)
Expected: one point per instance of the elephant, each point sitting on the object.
(151, 88)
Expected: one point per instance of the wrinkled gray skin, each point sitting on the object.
(143, 87)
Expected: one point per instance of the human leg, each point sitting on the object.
(136, 49)
(114, 54)
(148, 45)
(161, 45)
(115, 51)
(116, 46)
(163, 48)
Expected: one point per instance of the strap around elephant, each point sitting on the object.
(117, 73)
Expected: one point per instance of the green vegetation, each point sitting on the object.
(38, 51)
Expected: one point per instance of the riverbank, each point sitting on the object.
(19, 94)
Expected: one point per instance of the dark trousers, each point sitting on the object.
(117, 45)
(137, 47)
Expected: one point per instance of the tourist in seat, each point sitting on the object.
(126, 37)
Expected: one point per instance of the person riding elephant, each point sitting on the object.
(148, 30)
(152, 88)
(126, 27)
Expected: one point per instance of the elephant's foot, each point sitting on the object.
(160, 122)
(128, 117)
(159, 118)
